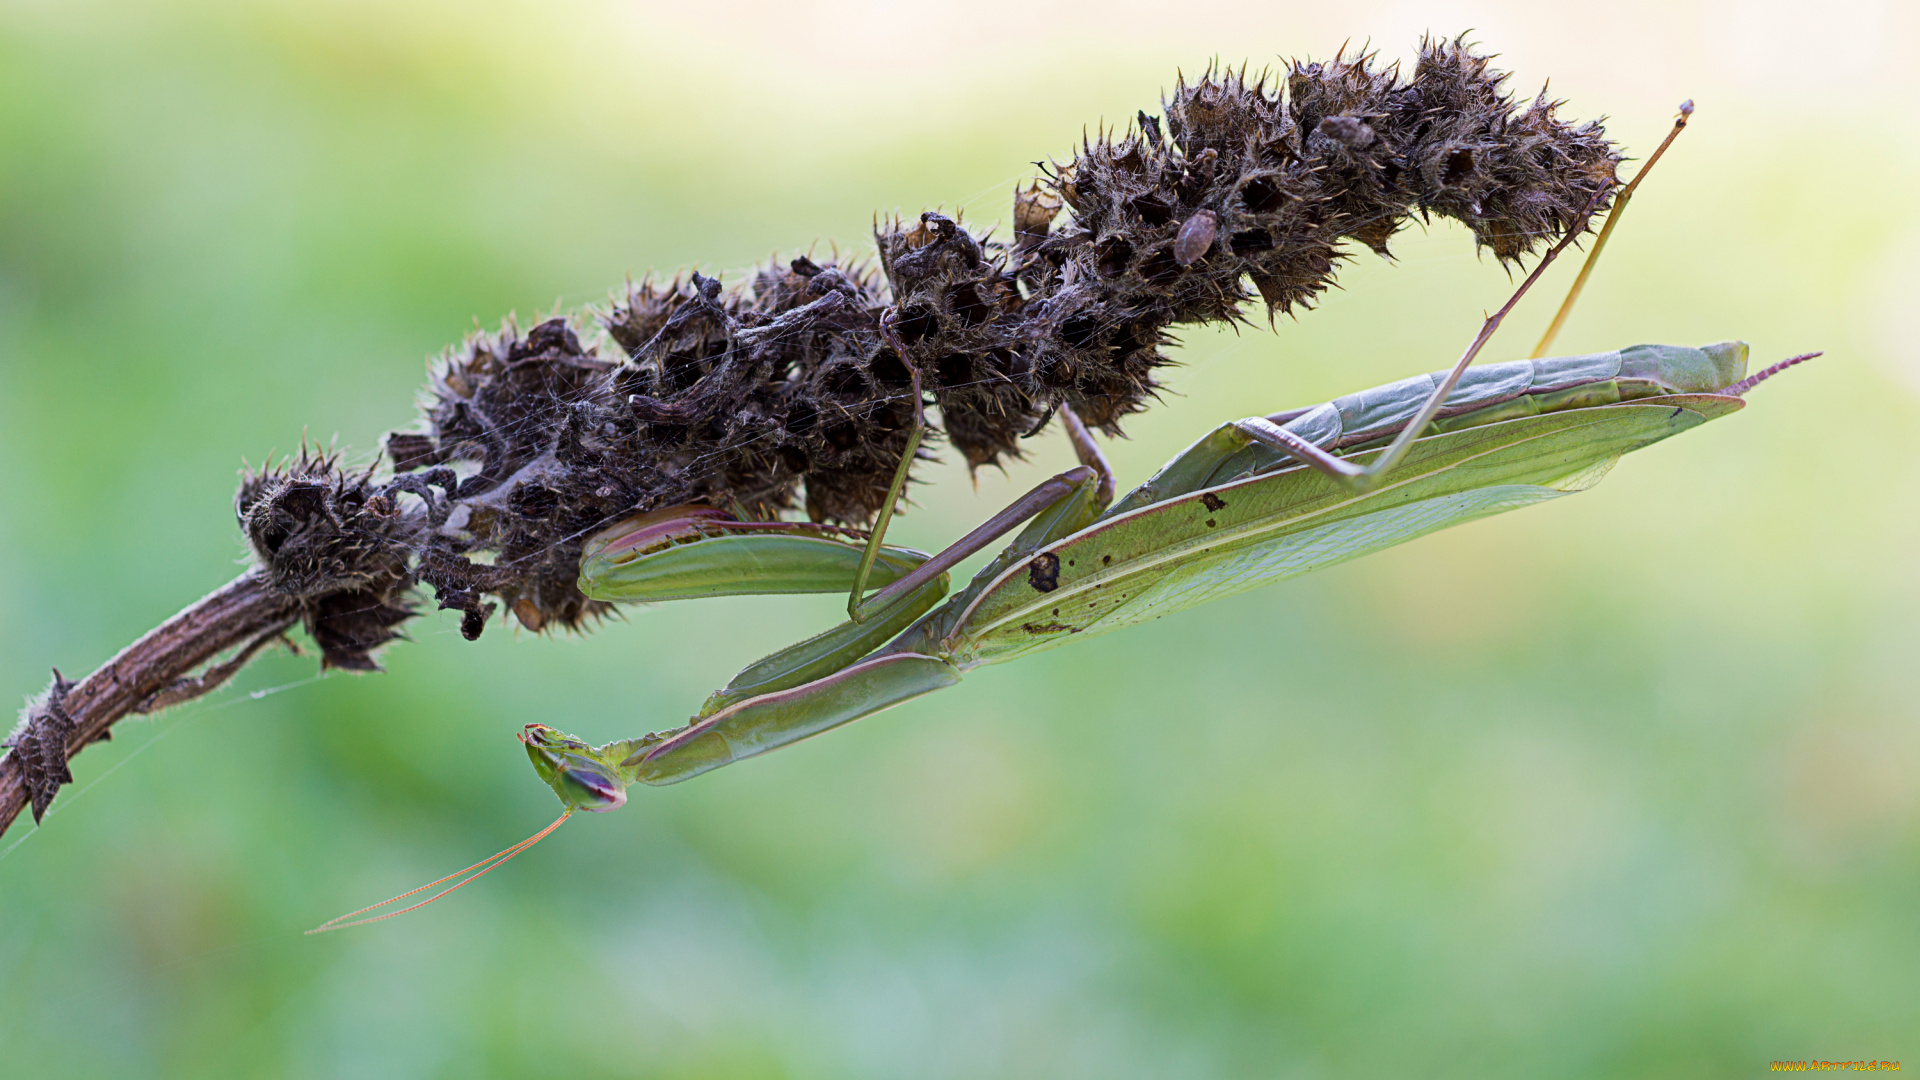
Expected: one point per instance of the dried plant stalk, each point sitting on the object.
(783, 393)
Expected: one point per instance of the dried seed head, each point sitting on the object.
(784, 391)
(337, 543)
(1246, 185)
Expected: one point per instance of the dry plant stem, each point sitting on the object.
(153, 673)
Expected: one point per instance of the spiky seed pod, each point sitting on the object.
(339, 544)
(727, 398)
(958, 313)
(788, 381)
(743, 398)
(39, 744)
(1243, 186)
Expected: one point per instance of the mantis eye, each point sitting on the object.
(551, 739)
(580, 780)
(590, 789)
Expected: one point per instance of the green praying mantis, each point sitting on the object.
(1254, 501)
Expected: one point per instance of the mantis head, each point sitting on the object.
(1709, 369)
(585, 779)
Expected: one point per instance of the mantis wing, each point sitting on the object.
(1219, 541)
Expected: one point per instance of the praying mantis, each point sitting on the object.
(1252, 502)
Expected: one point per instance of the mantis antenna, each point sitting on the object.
(1600, 243)
(484, 867)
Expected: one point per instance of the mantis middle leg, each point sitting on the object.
(1053, 491)
(1361, 478)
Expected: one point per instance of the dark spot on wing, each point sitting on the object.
(1212, 501)
(1043, 573)
(1049, 628)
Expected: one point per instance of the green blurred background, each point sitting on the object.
(1626, 785)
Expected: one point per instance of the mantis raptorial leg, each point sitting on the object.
(1218, 519)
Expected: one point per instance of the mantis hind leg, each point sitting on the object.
(1359, 478)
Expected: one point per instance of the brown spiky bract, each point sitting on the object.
(340, 545)
(795, 389)
(1245, 186)
(39, 745)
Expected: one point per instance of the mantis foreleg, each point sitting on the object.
(821, 683)
(825, 653)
